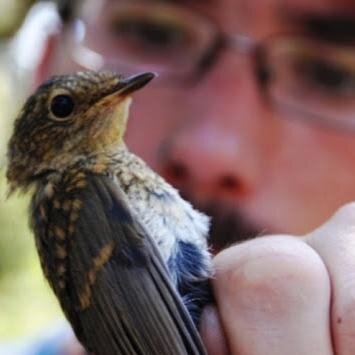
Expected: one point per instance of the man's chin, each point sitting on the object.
(228, 226)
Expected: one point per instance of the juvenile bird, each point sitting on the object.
(123, 252)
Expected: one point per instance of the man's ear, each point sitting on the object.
(47, 58)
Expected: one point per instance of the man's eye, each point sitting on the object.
(150, 33)
(327, 76)
(152, 40)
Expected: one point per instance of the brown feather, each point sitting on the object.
(117, 295)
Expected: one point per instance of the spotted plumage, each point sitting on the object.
(124, 253)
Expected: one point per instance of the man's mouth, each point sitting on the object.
(229, 226)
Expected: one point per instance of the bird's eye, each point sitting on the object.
(62, 106)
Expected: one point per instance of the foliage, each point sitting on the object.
(12, 14)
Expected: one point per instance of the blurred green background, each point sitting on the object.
(27, 306)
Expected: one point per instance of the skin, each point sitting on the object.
(292, 290)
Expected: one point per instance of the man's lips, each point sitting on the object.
(228, 224)
(229, 227)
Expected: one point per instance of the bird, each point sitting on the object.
(126, 256)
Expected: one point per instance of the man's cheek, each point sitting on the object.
(155, 117)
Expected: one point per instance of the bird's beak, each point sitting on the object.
(124, 87)
(115, 101)
(128, 85)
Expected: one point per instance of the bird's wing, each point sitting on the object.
(117, 293)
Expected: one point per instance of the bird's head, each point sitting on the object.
(69, 117)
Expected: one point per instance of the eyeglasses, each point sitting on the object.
(310, 78)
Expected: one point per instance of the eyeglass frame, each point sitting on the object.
(256, 49)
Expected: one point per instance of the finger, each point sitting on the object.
(335, 243)
(212, 333)
(273, 293)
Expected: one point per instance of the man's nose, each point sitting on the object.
(221, 148)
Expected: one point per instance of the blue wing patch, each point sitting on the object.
(188, 267)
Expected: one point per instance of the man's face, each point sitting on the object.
(255, 166)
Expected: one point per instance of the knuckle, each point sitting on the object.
(344, 309)
(343, 325)
(346, 213)
(340, 228)
(345, 318)
(277, 279)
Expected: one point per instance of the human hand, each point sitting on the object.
(286, 294)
